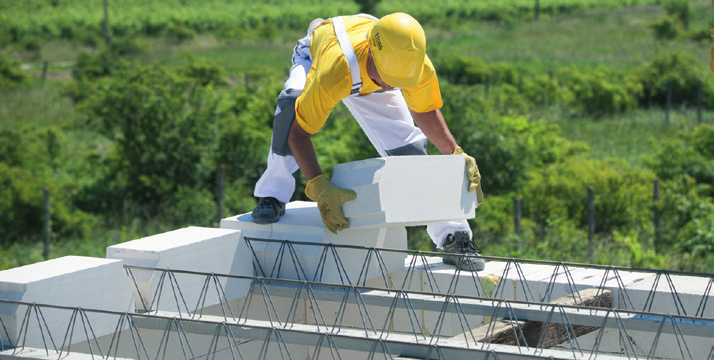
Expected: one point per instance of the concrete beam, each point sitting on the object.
(406, 345)
(522, 311)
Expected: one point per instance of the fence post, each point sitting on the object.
(488, 84)
(669, 100)
(221, 185)
(699, 102)
(517, 215)
(655, 210)
(107, 35)
(520, 84)
(44, 70)
(591, 219)
(537, 9)
(46, 226)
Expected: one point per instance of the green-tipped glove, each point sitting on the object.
(473, 174)
(329, 201)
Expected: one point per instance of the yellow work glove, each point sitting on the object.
(473, 174)
(711, 54)
(329, 201)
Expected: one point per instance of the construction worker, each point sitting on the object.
(363, 62)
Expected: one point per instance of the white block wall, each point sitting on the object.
(406, 190)
(302, 223)
(72, 281)
(219, 251)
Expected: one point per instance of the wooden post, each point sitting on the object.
(655, 210)
(221, 185)
(44, 70)
(488, 84)
(699, 102)
(520, 84)
(591, 219)
(47, 227)
(537, 9)
(669, 100)
(517, 214)
(107, 35)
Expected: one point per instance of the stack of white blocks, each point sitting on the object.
(392, 193)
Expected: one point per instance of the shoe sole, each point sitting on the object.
(268, 221)
(478, 266)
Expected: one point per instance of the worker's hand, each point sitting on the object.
(473, 174)
(329, 201)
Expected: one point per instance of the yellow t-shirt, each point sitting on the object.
(329, 80)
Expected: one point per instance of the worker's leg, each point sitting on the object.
(277, 180)
(386, 120)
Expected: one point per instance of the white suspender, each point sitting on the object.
(349, 52)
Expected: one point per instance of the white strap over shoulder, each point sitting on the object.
(349, 52)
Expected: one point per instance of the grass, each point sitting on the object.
(629, 136)
(615, 38)
(35, 103)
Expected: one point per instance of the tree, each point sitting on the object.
(165, 132)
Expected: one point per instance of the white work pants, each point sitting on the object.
(385, 119)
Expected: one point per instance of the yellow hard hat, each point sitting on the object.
(398, 45)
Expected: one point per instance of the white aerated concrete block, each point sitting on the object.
(198, 249)
(72, 281)
(406, 190)
(678, 295)
(302, 223)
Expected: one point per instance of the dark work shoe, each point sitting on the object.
(268, 210)
(459, 244)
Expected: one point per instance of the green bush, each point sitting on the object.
(11, 73)
(667, 28)
(623, 194)
(686, 166)
(541, 90)
(602, 93)
(686, 224)
(28, 164)
(689, 154)
(680, 9)
(683, 70)
(179, 31)
(205, 73)
(699, 35)
(461, 70)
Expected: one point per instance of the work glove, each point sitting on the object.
(473, 174)
(711, 54)
(329, 201)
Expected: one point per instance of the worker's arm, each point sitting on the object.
(433, 126)
(319, 188)
(300, 143)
